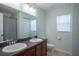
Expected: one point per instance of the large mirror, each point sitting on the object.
(17, 24)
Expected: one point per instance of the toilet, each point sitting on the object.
(50, 47)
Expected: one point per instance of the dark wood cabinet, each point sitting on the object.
(44, 49)
(30, 52)
(38, 50)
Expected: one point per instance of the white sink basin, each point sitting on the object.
(36, 40)
(14, 48)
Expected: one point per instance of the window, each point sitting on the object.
(63, 23)
(33, 25)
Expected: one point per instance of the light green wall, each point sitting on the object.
(75, 33)
(41, 23)
(65, 44)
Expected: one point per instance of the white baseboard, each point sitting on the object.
(64, 51)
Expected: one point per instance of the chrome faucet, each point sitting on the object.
(10, 42)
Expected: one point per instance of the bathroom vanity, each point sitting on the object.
(37, 50)
(32, 49)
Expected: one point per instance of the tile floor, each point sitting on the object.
(57, 53)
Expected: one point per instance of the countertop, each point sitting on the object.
(29, 46)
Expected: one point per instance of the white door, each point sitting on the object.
(1, 27)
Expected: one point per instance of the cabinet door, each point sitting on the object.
(38, 50)
(44, 49)
(30, 52)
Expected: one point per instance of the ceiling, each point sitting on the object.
(47, 6)
(44, 6)
(4, 8)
